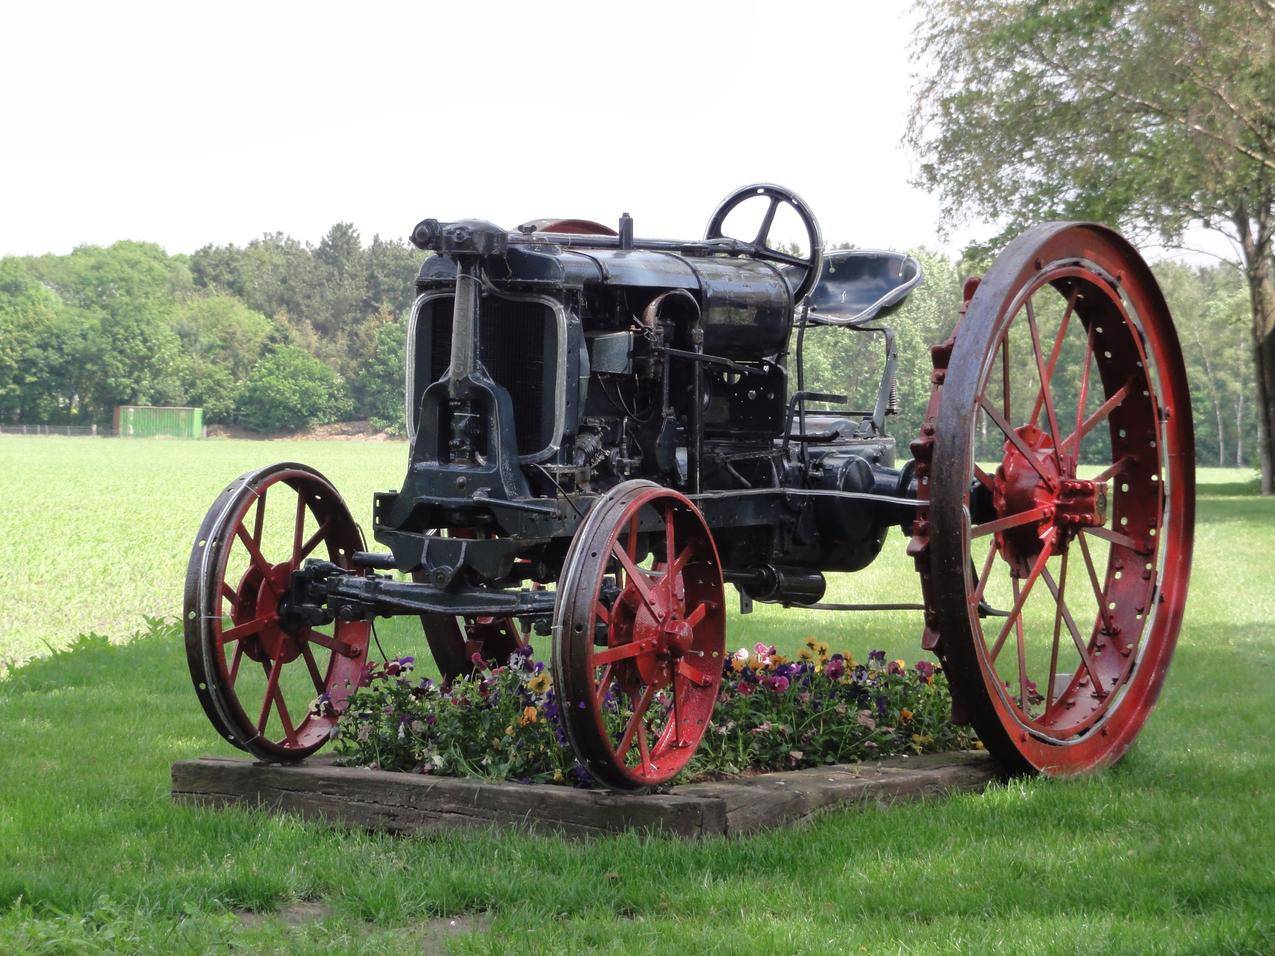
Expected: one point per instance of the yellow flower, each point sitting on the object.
(810, 643)
(529, 716)
(849, 660)
(902, 664)
(540, 683)
(806, 654)
(557, 775)
(905, 715)
(822, 649)
(978, 745)
(509, 731)
(738, 663)
(777, 660)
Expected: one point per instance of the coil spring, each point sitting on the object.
(892, 406)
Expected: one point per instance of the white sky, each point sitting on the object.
(184, 123)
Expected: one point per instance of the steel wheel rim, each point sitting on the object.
(1067, 725)
(664, 636)
(307, 673)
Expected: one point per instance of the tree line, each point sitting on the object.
(274, 335)
(280, 334)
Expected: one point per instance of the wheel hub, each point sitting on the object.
(258, 598)
(664, 638)
(1047, 481)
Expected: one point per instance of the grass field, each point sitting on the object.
(1172, 851)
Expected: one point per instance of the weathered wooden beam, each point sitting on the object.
(401, 803)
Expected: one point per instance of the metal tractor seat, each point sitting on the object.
(857, 285)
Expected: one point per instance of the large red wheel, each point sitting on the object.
(1057, 458)
(270, 687)
(639, 635)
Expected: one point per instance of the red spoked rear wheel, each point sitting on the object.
(270, 688)
(1057, 458)
(640, 635)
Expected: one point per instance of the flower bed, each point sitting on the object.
(771, 714)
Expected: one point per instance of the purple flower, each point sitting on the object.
(876, 657)
(834, 669)
(926, 670)
(744, 688)
(778, 683)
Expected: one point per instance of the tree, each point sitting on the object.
(1156, 115)
(291, 389)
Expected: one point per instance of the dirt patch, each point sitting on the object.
(297, 914)
(336, 431)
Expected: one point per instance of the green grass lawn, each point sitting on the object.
(1171, 851)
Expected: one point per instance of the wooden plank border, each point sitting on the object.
(412, 803)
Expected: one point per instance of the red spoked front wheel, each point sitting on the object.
(639, 635)
(271, 687)
(1057, 459)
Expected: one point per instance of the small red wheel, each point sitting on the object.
(1066, 371)
(639, 635)
(453, 641)
(271, 690)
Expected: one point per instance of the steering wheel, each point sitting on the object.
(810, 267)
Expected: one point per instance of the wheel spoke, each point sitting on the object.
(1009, 521)
(1046, 393)
(984, 478)
(1115, 537)
(693, 674)
(600, 688)
(1053, 654)
(763, 231)
(1014, 438)
(700, 612)
(644, 750)
(313, 667)
(255, 554)
(1021, 597)
(323, 640)
(230, 635)
(259, 520)
(1098, 594)
(1055, 352)
(1119, 467)
(1074, 631)
(602, 613)
(670, 543)
(234, 665)
(639, 711)
(1022, 652)
(228, 592)
(298, 529)
(620, 652)
(1102, 412)
(311, 543)
(1005, 375)
(986, 574)
(272, 685)
(638, 579)
(785, 258)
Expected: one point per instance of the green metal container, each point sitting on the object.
(151, 421)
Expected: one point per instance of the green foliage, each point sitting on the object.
(291, 389)
(378, 386)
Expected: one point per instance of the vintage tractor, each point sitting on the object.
(605, 431)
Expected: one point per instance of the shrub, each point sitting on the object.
(291, 389)
(771, 714)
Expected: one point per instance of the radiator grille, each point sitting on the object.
(517, 343)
